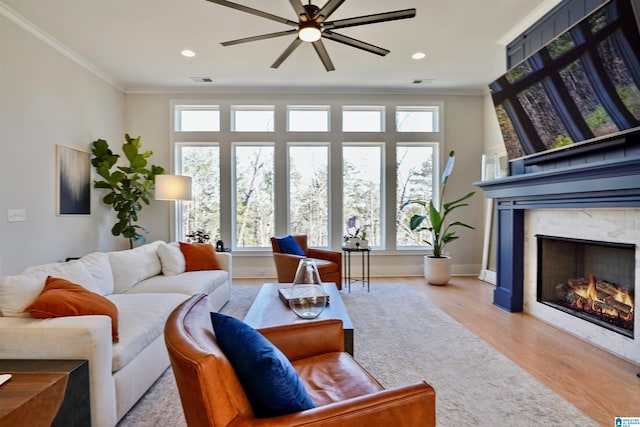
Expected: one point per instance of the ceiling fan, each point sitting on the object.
(312, 26)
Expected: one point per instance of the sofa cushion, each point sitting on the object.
(133, 265)
(73, 271)
(268, 378)
(199, 256)
(190, 283)
(141, 319)
(17, 292)
(97, 263)
(61, 298)
(171, 259)
(289, 245)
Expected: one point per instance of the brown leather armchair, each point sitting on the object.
(329, 263)
(345, 394)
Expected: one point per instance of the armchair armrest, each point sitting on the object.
(411, 405)
(302, 340)
(286, 265)
(326, 255)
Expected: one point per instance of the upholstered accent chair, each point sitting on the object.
(343, 392)
(329, 263)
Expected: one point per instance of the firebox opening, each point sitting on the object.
(591, 280)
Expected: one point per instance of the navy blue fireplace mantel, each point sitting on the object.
(603, 173)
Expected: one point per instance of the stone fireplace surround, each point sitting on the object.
(606, 225)
(589, 190)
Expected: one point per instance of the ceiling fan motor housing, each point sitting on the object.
(311, 9)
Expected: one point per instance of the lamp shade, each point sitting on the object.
(173, 187)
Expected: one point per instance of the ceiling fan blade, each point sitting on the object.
(294, 44)
(349, 41)
(260, 37)
(300, 10)
(371, 19)
(324, 55)
(254, 12)
(327, 10)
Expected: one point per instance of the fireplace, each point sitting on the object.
(584, 191)
(592, 280)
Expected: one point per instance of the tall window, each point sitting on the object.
(362, 190)
(202, 163)
(308, 192)
(254, 196)
(414, 181)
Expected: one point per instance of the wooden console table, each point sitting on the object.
(45, 393)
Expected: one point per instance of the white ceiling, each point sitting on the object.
(136, 44)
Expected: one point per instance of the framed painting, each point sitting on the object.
(73, 176)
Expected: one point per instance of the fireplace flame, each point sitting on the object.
(590, 294)
(602, 297)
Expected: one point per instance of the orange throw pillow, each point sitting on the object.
(199, 256)
(61, 298)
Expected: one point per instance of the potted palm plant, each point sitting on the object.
(437, 266)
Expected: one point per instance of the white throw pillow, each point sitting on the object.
(171, 258)
(17, 292)
(133, 265)
(97, 263)
(73, 271)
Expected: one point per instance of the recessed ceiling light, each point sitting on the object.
(188, 53)
(419, 55)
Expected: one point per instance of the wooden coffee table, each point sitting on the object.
(269, 310)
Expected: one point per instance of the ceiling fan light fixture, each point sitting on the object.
(309, 33)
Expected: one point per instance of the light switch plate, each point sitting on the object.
(15, 215)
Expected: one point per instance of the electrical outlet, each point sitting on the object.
(15, 215)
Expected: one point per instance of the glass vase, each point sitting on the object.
(308, 298)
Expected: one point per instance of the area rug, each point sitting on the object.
(401, 338)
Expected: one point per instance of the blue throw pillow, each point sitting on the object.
(289, 245)
(268, 378)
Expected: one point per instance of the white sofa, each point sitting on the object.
(145, 283)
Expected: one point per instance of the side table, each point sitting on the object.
(45, 393)
(364, 252)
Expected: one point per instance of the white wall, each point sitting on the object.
(149, 115)
(48, 99)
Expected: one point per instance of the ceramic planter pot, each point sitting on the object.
(437, 271)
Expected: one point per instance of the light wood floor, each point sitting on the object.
(598, 383)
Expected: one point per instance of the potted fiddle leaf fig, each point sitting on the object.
(435, 220)
(128, 186)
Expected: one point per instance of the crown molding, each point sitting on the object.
(45, 37)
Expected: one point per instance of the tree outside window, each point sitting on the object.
(362, 189)
(414, 180)
(308, 193)
(202, 163)
(254, 195)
